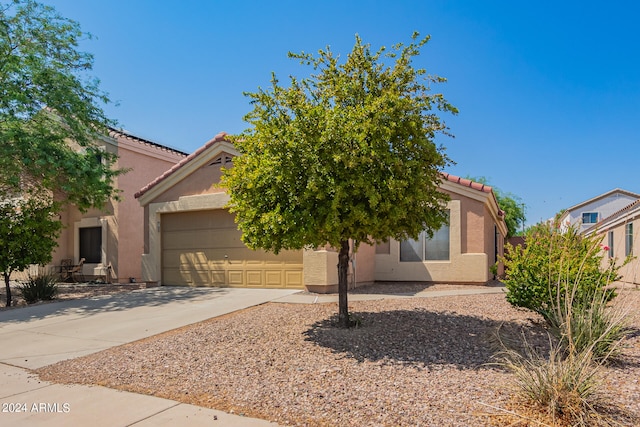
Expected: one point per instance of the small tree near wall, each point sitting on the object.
(29, 231)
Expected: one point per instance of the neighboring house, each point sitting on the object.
(191, 239)
(588, 213)
(111, 239)
(619, 233)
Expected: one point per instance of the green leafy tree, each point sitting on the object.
(511, 205)
(47, 100)
(347, 154)
(50, 117)
(28, 233)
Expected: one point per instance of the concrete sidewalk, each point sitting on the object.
(41, 335)
(37, 336)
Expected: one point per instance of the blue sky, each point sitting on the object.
(548, 91)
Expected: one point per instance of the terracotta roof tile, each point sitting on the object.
(474, 185)
(218, 138)
(467, 183)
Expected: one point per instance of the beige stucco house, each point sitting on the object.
(111, 239)
(619, 233)
(191, 239)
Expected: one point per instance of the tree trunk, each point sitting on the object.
(6, 282)
(343, 268)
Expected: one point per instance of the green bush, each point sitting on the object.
(39, 288)
(539, 275)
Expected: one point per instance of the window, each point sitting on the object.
(589, 217)
(91, 244)
(435, 248)
(610, 241)
(628, 239)
(411, 250)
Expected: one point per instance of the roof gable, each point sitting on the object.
(216, 149)
(615, 191)
(477, 191)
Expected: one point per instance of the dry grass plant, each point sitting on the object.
(564, 385)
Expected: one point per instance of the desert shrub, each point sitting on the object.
(554, 263)
(583, 335)
(564, 389)
(595, 326)
(39, 288)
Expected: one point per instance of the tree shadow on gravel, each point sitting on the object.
(423, 338)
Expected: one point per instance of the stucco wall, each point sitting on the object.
(145, 164)
(631, 271)
(122, 221)
(460, 268)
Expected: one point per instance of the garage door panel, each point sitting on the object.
(273, 278)
(218, 278)
(184, 239)
(254, 278)
(173, 276)
(171, 259)
(199, 277)
(293, 279)
(235, 277)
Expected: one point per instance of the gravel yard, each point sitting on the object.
(413, 361)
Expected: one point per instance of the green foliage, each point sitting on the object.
(566, 385)
(46, 101)
(39, 288)
(28, 233)
(594, 327)
(510, 204)
(565, 389)
(539, 275)
(347, 153)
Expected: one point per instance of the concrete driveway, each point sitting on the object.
(41, 335)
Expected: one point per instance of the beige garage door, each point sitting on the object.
(203, 248)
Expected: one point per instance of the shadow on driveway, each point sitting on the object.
(150, 297)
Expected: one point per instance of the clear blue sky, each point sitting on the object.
(548, 91)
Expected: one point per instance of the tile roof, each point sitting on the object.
(475, 186)
(218, 138)
(123, 133)
(467, 183)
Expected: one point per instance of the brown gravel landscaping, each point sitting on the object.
(412, 362)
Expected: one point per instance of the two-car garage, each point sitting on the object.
(204, 248)
(191, 238)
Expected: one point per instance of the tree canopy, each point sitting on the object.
(47, 100)
(346, 154)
